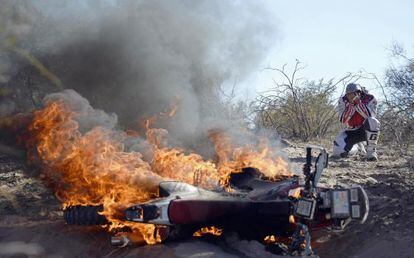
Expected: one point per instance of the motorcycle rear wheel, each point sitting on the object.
(84, 215)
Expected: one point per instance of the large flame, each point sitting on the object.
(93, 168)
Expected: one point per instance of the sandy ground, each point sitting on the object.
(389, 184)
(31, 223)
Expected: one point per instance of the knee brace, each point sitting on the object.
(372, 128)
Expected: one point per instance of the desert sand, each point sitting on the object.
(31, 223)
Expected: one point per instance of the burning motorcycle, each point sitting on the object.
(252, 206)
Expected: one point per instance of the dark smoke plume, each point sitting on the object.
(135, 58)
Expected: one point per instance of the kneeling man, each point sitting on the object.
(357, 110)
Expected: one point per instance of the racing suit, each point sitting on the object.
(361, 125)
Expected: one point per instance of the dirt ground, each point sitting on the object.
(31, 223)
(389, 184)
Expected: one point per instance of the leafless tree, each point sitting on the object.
(299, 108)
(397, 114)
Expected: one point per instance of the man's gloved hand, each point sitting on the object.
(353, 98)
(356, 100)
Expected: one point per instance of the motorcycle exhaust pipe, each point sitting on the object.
(120, 241)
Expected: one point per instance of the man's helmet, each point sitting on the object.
(353, 87)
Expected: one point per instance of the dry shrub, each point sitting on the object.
(300, 109)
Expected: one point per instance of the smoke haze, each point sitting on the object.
(135, 58)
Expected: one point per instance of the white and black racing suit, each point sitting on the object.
(361, 125)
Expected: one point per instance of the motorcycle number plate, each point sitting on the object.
(340, 204)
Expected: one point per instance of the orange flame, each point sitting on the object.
(233, 159)
(270, 239)
(93, 168)
(208, 230)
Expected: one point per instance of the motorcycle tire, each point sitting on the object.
(84, 215)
